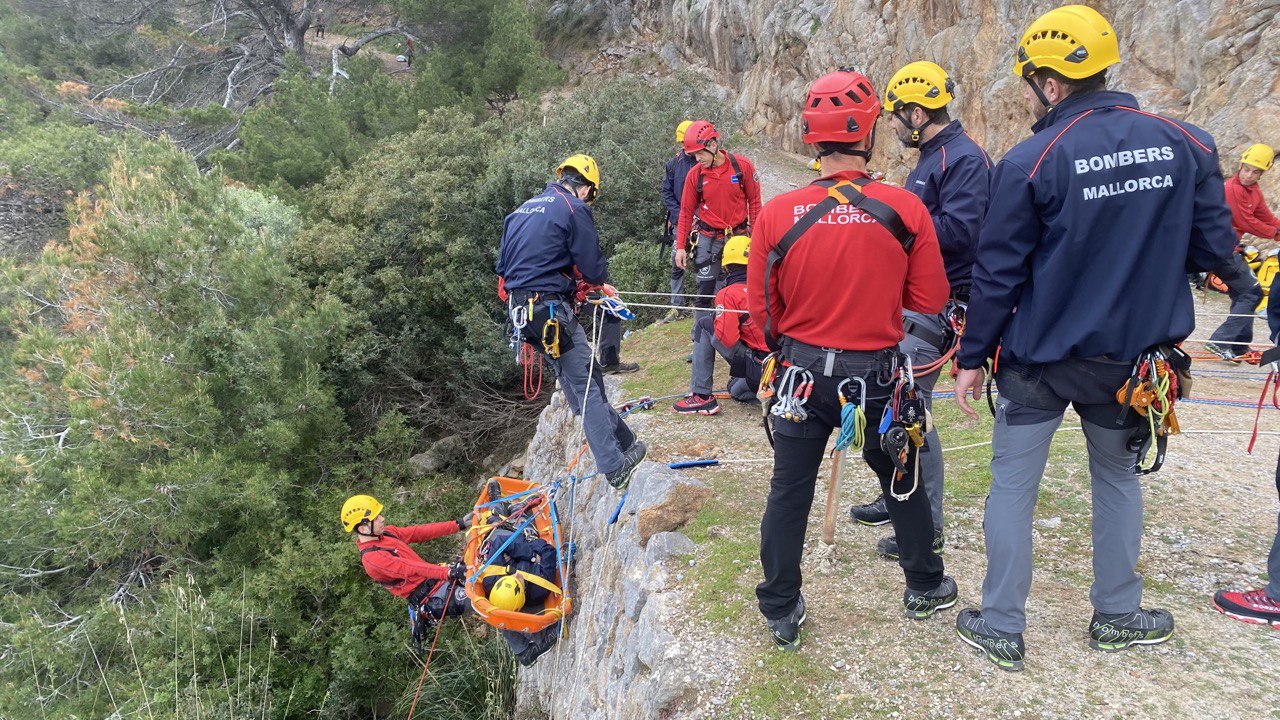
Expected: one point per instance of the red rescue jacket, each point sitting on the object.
(845, 283)
(1249, 213)
(393, 564)
(725, 203)
(731, 327)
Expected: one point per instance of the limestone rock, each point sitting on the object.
(664, 499)
(440, 455)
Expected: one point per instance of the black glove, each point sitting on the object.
(457, 571)
(465, 521)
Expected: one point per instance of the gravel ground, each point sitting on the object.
(1210, 518)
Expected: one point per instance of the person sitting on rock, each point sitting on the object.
(388, 559)
(731, 333)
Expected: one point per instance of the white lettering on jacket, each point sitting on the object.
(839, 215)
(1123, 158)
(1154, 182)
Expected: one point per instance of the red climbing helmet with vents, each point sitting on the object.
(698, 134)
(842, 107)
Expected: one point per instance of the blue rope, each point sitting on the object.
(498, 552)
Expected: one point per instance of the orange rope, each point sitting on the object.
(528, 358)
(448, 596)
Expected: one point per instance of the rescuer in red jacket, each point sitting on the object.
(1249, 212)
(388, 559)
(831, 268)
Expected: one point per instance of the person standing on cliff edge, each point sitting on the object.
(831, 267)
(951, 178)
(1094, 222)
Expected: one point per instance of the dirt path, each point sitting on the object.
(1210, 517)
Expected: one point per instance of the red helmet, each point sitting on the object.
(698, 135)
(842, 107)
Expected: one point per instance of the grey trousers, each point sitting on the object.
(1245, 294)
(705, 348)
(607, 435)
(922, 353)
(706, 280)
(1019, 455)
(677, 276)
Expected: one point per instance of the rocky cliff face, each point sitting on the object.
(1215, 63)
(621, 659)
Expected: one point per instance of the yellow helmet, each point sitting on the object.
(508, 593)
(1259, 156)
(1073, 40)
(920, 82)
(584, 165)
(680, 130)
(357, 509)
(736, 250)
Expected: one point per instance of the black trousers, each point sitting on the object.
(797, 455)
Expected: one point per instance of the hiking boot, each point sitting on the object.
(538, 646)
(499, 507)
(1110, 633)
(631, 457)
(1004, 649)
(920, 605)
(619, 368)
(697, 405)
(786, 631)
(888, 547)
(873, 513)
(688, 358)
(1251, 606)
(1223, 351)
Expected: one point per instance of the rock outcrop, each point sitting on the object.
(620, 660)
(1211, 62)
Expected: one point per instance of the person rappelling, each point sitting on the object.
(543, 242)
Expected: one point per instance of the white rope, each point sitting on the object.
(664, 294)
(683, 307)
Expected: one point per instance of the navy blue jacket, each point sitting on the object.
(1093, 224)
(677, 170)
(953, 179)
(545, 238)
(535, 556)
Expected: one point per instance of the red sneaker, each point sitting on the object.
(1251, 606)
(697, 405)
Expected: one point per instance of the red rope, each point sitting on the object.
(529, 358)
(443, 613)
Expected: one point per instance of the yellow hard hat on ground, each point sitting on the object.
(680, 130)
(1259, 156)
(508, 593)
(1074, 40)
(584, 165)
(920, 82)
(357, 509)
(736, 250)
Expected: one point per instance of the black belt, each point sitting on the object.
(915, 329)
(851, 362)
(521, 297)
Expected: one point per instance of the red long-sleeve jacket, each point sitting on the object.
(393, 564)
(725, 203)
(845, 283)
(730, 327)
(1249, 213)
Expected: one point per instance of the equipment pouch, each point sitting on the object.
(1180, 362)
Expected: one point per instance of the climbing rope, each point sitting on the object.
(431, 652)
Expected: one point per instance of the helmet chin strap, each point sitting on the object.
(1039, 93)
(864, 154)
(905, 119)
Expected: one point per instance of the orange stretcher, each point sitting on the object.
(530, 619)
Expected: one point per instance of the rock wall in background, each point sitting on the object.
(1215, 63)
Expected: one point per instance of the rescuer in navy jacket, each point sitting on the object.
(1093, 225)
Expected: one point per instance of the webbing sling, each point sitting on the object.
(843, 192)
(526, 576)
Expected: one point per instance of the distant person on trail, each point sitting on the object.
(1259, 606)
(731, 334)
(832, 265)
(673, 177)
(1249, 214)
(720, 199)
(542, 241)
(1093, 224)
(951, 178)
(388, 559)
(320, 23)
